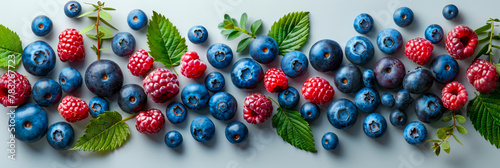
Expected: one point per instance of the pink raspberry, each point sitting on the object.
(150, 121)
(317, 90)
(73, 109)
(418, 50)
(70, 47)
(482, 74)
(461, 42)
(454, 95)
(275, 80)
(191, 65)
(15, 89)
(161, 85)
(140, 63)
(257, 108)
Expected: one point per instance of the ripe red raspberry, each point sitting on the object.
(73, 109)
(482, 74)
(454, 95)
(317, 90)
(70, 47)
(140, 62)
(15, 89)
(191, 65)
(257, 108)
(275, 80)
(161, 85)
(150, 121)
(418, 50)
(461, 42)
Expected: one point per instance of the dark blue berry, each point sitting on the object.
(223, 106)
(434, 33)
(418, 81)
(398, 118)
(342, 114)
(60, 136)
(123, 44)
(450, 12)
(219, 55)
(309, 111)
(202, 129)
(197, 34)
(403, 16)
(389, 72)
(176, 112)
(70, 80)
(246, 74)
(326, 55)
(173, 139)
(374, 125)
(72, 9)
(137, 19)
(330, 141)
(288, 98)
(359, 50)
(98, 105)
(429, 108)
(368, 78)
(195, 96)
(215, 82)
(363, 23)
(39, 58)
(132, 98)
(46, 92)
(389, 41)
(30, 123)
(236, 132)
(104, 78)
(367, 100)
(348, 78)
(402, 100)
(264, 49)
(387, 100)
(444, 69)
(415, 133)
(294, 64)
(41, 25)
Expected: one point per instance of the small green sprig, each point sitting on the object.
(488, 29)
(445, 133)
(102, 32)
(229, 27)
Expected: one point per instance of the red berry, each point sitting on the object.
(140, 62)
(482, 74)
(150, 121)
(317, 90)
(15, 89)
(191, 65)
(161, 85)
(73, 109)
(418, 50)
(70, 47)
(257, 108)
(275, 80)
(461, 42)
(454, 95)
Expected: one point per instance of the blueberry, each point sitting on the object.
(288, 98)
(294, 64)
(309, 111)
(418, 81)
(415, 133)
(403, 16)
(176, 112)
(389, 72)
(60, 136)
(450, 12)
(367, 100)
(402, 100)
(434, 33)
(30, 123)
(325, 55)
(70, 80)
(368, 78)
(173, 139)
(72, 9)
(264, 49)
(123, 44)
(46, 92)
(132, 98)
(236, 132)
(374, 125)
(104, 78)
(330, 141)
(359, 50)
(223, 106)
(98, 105)
(202, 129)
(39, 58)
(137, 19)
(389, 41)
(429, 108)
(342, 114)
(348, 78)
(197, 34)
(195, 96)
(363, 23)
(387, 100)
(398, 118)
(246, 74)
(41, 25)
(444, 69)
(219, 55)
(215, 82)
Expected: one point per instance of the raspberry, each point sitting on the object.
(140, 62)
(15, 89)
(161, 85)
(70, 47)
(149, 122)
(418, 50)
(482, 74)
(73, 109)
(257, 108)
(317, 90)
(461, 42)
(191, 65)
(454, 95)
(275, 80)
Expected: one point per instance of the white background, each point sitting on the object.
(264, 148)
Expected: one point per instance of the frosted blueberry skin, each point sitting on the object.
(132, 98)
(173, 139)
(236, 132)
(309, 111)
(389, 41)
(342, 114)
(72, 9)
(389, 72)
(368, 78)
(359, 50)
(363, 23)
(403, 16)
(326, 55)
(418, 81)
(294, 64)
(222, 106)
(202, 129)
(123, 44)
(38, 58)
(330, 141)
(195, 96)
(288, 98)
(98, 105)
(398, 118)
(402, 100)
(387, 100)
(444, 69)
(60, 136)
(46, 92)
(215, 82)
(219, 55)
(70, 80)
(104, 78)
(197, 34)
(264, 49)
(375, 125)
(31, 123)
(415, 133)
(246, 74)
(367, 100)
(176, 112)
(429, 108)
(348, 78)
(450, 12)
(137, 19)
(434, 33)
(41, 25)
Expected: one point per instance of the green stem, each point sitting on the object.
(491, 37)
(97, 34)
(452, 131)
(273, 101)
(129, 117)
(244, 31)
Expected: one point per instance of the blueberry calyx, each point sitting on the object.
(236, 137)
(220, 56)
(246, 74)
(374, 126)
(369, 97)
(364, 24)
(123, 43)
(388, 42)
(193, 100)
(40, 57)
(216, 83)
(222, 106)
(27, 124)
(289, 95)
(96, 107)
(199, 133)
(73, 8)
(58, 136)
(198, 33)
(297, 65)
(177, 110)
(342, 115)
(414, 133)
(359, 48)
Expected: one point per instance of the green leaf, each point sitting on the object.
(433, 140)
(94, 5)
(460, 119)
(235, 22)
(104, 49)
(448, 128)
(482, 51)
(294, 129)
(255, 26)
(11, 48)
(498, 47)
(165, 42)
(221, 25)
(106, 132)
(291, 31)
(447, 150)
(441, 134)
(458, 140)
(103, 21)
(229, 26)
(243, 44)
(497, 68)
(233, 35)
(226, 32)
(243, 21)
(445, 145)
(105, 30)
(446, 119)
(87, 13)
(109, 9)
(227, 17)
(87, 29)
(105, 15)
(462, 130)
(485, 38)
(92, 36)
(437, 151)
(483, 28)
